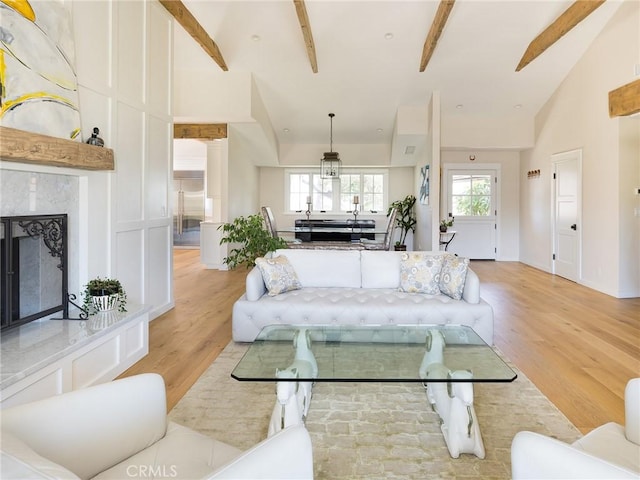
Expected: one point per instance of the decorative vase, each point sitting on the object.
(443, 228)
(105, 303)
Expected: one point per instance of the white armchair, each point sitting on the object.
(610, 451)
(120, 430)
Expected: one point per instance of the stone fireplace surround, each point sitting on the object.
(47, 357)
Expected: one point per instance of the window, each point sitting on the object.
(336, 196)
(471, 195)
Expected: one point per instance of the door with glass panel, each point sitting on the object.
(471, 199)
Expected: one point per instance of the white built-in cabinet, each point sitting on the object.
(50, 357)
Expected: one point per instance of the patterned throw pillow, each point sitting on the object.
(420, 273)
(453, 275)
(278, 275)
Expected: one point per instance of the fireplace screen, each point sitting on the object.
(33, 268)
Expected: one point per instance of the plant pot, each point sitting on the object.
(400, 248)
(443, 228)
(105, 303)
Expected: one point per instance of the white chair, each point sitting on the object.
(610, 451)
(119, 430)
(269, 221)
(386, 242)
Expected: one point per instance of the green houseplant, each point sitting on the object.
(445, 224)
(405, 218)
(104, 294)
(253, 238)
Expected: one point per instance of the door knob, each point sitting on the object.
(574, 227)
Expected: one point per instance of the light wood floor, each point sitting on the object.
(577, 345)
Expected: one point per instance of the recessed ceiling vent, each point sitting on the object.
(409, 150)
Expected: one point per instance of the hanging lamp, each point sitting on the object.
(330, 163)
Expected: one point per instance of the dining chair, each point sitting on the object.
(386, 242)
(269, 221)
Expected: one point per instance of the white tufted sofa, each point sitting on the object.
(353, 287)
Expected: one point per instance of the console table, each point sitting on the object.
(48, 357)
(328, 230)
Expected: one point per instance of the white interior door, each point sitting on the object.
(566, 228)
(471, 199)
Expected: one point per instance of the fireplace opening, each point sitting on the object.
(33, 268)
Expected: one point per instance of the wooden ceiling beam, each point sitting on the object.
(444, 9)
(303, 18)
(571, 17)
(625, 100)
(202, 131)
(193, 28)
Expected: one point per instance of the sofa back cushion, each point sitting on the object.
(380, 269)
(325, 268)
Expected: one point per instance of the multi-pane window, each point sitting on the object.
(336, 196)
(471, 195)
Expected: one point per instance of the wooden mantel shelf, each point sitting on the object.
(27, 147)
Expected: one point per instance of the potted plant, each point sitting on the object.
(445, 224)
(405, 218)
(254, 240)
(103, 294)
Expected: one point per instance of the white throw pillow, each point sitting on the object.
(420, 273)
(453, 275)
(278, 275)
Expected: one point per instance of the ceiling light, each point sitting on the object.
(519, 105)
(388, 36)
(285, 130)
(330, 163)
(459, 106)
(379, 130)
(255, 38)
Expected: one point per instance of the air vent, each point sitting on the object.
(409, 150)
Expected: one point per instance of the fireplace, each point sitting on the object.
(33, 268)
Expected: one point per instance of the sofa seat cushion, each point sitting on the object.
(185, 454)
(610, 443)
(357, 306)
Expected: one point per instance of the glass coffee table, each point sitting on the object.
(446, 359)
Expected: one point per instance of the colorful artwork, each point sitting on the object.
(38, 83)
(424, 185)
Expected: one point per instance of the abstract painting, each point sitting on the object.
(38, 82)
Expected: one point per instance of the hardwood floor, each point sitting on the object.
(577, 345)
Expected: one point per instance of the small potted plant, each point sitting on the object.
(104, 294)
(405, 218)
(445, 224)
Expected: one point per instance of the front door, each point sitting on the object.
(566, 226)
(471, 199)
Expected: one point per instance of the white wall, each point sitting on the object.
(124, 64)
(576, 117)
(509, 195)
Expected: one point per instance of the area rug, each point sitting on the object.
(372, 430)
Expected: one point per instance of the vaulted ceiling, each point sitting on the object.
(368, 56)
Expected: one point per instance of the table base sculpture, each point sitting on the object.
(294, 397)
(452, 401)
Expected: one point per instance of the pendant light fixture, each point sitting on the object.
(330, 163)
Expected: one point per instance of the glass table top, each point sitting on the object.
(394, 353)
